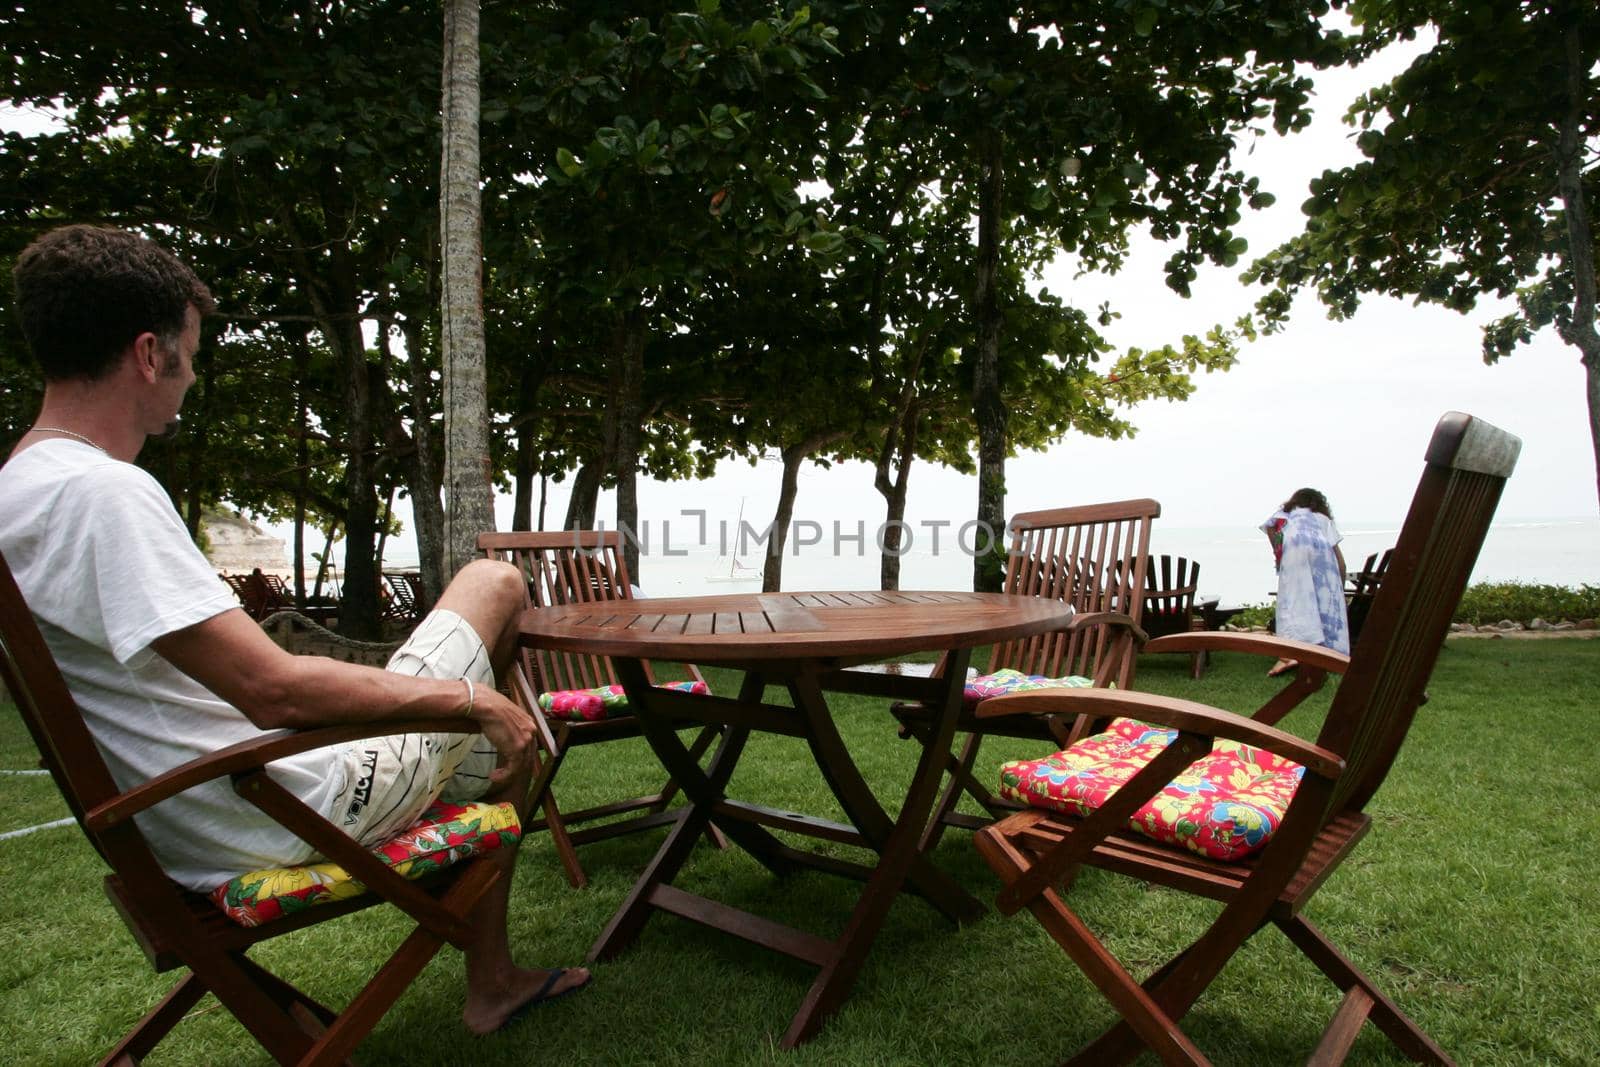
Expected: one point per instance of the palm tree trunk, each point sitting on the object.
(469, 503)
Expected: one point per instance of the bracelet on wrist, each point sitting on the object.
(472, 697)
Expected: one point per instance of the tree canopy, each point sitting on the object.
(734, 229)
(1481, 163)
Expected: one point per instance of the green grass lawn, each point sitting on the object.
(1474, 902)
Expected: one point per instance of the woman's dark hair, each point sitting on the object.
(1309, 498)
(85, 292)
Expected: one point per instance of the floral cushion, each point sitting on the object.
(1007, 680)
(1226, 805)
(446, 833)
(601, 702)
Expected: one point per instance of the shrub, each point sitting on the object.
(1490, 602)
(1521, 602)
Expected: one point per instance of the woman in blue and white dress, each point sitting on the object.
(1311, 605)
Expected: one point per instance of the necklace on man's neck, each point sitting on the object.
(70, 433)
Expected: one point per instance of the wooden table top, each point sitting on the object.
(783, 626)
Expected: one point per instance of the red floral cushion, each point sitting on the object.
(445, 834)
(1226, 805)
(601, 702)
(983, 686)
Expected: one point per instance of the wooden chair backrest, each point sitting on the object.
(1468, 462)
(1170, 584)
(1093, 557)
(66, 747)
(565, 567)
(1366, 581)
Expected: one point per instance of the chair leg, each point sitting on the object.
(149, 1031)
(1142, 1016)
(231, 976)
(1384, 1013)
(375, 999)
(565, 850)
(543, 796)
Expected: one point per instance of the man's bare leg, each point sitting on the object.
(489, 595)
(496, 986)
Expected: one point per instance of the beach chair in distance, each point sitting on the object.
(401, 603)
(182, 930)
(1092, 556)
(1363, 590)
(1319, 810)
(580, 566)
(1170, 585)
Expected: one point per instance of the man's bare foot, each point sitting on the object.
(522, 989)
(1283, 666)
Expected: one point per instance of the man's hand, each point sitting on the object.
(508, 728)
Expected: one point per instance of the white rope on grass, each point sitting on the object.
(36, 829)
(24, 772)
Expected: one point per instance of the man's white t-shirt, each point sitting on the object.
(107, 567)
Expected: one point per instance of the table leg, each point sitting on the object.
(702, 788)
(898, 850)
(861, 806)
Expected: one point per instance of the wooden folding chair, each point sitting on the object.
(1362, 590)
(1170, 585)
(400, 600)
(1092, 556)
(579, 566)
(177, 928)
(1036, 850)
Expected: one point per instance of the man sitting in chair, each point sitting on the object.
(156, 649)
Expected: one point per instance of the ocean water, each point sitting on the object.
(1235, 564)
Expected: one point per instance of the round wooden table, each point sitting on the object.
(805, 642)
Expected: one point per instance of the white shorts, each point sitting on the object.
(389, 781)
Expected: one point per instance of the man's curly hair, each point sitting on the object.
(84, 293)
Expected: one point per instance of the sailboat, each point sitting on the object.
(737, 571)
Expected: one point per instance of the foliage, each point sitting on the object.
(1480, 177)
(710, 231)
(1491, 602)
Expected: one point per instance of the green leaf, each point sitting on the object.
(568, 163)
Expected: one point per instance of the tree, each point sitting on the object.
(285, 152)
(468, 488)
(1480, 167)
(1068, 126)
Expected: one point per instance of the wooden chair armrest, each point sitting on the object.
(1085, 619)
(1260, 644)
(527, 697)
(253, 754)
(1185, 715)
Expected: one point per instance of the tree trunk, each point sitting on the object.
(793, 456)
(194, 446)
(469, 504)
(772, 570)
(988, 405)
(901, 444)
(527, 396)
(1578, 253)
(302, 460)
(544, 494)
(585, 496)
(358, 601)
(628, 400)
(426, 510)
